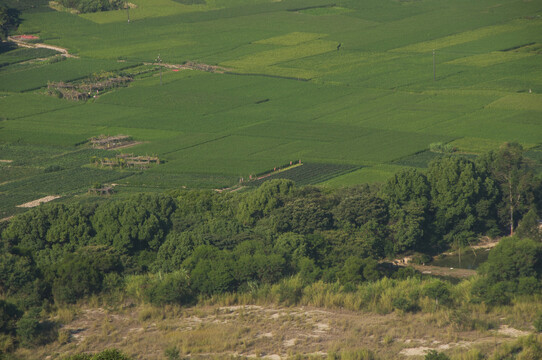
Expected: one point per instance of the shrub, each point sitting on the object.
(28, 327)
(171, 288)
(435, 355)
(438, 290)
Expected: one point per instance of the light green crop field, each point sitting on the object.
(356, 89)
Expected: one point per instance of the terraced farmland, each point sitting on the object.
(353, 83)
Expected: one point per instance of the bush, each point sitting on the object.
(435, 355)
(405, 304)
(171, 288)
(28, 327)
(438, 290)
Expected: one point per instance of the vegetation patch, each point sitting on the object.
(325, 10)
(291, 39)
(87, 88)
(306, 173)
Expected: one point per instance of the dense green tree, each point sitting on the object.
(28, 327)
(259, 203)
(9, 315)
(132, 225)
(302, 216)
(356, 270)
(15, 272)
(172, 288)
(359, 206)
(407, 195)
(9, 19)
(81, 274)
(529, 226)
(509, 168)
(513, 259)
(460, 196)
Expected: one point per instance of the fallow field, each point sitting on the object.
(355, 88)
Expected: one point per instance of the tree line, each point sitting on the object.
(180, 246)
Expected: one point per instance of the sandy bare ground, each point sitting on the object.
(6, 161)
(444, 271)
(22, 43)
(37, 202)
(261, 331)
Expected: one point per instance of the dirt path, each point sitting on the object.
(22, 43)
(37, 202)
(444, 271)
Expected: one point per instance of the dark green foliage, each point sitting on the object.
(359, 206)
(262, 201)
(9, 314)
(510, 171)
(81, 274)
(16, 271)
(89, 6)
(175, 249)
(405, 304)
(28, 327)
(462, 198)
(529, 226)
(303, 216)
(109, 354)
(491, 294)
(137, 224)
(211, 270)
(439, 291)
(408, 199)
(513, 267)
(357, 270)
(512, 259)
(435, 355)
(172, 353)
(9, 19)
(173, 288)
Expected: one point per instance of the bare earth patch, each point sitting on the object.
(37, 202)
(509, 331)
(6, 161)
(254, 331)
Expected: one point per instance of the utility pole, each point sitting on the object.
(434, 67)
(127, 11)
(159, 61)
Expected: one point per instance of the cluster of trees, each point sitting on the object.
(200, 243)
(90, 6)
(9, 19)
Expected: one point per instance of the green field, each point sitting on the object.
(285, 92)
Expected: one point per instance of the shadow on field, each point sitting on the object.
(7, 46)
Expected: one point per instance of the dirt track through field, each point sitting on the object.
(64, 52)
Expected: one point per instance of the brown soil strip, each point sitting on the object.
(6, 161)
(21, 43)
(444, 271)
(37, 202)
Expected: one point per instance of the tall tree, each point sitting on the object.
(509, 168)
(408, 200)
(9, 19)
(460, 196)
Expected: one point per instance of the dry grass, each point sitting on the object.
(267, 330)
